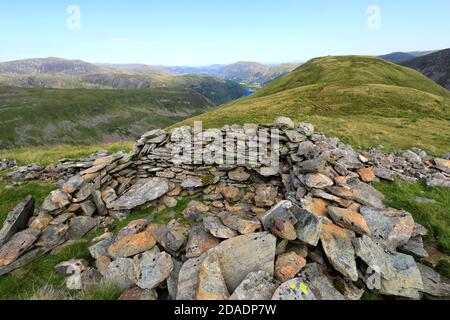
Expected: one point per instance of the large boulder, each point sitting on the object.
(241, 255)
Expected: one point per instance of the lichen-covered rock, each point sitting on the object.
(239, 174)
(80, 226)
(138, 294)
(432, 282)
(294, 289)
(188, 278)
(120, 274)
(211, 284)
(132, 244)
(337, 244)
(243, 223)
(368, 195)
(390, 227)
(407, 280)
(217, 228)
(374, 256)
(52, 235)
(318, 181)
(284, 122)
(319, 284)
(258, 285)
(288, 265)
(309, 226)
(177, 235)
(282, 210)
(349, 219)
(17, 245)
(265, 195)
(152, 268)
(199, 242)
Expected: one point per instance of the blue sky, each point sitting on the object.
(202, 32)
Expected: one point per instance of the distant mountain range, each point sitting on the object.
(76, 74)
(403, 56)
(251, 74)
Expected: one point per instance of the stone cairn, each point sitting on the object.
(313, 230)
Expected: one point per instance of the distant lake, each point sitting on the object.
(248, 93)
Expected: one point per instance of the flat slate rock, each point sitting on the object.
(17, 245)
(390, 227)
(141, 193)
(17, 219)
(80, 226)
(337, 244)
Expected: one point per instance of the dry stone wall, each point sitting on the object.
(256, 231)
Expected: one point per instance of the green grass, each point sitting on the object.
(434, 217)
(37, 117)
(105, 292)
(24, 282)
(362, 100)
(443, 267)
(51, 155)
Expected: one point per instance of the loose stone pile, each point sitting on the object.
(63, 170)
(6, 164)
(314, 229)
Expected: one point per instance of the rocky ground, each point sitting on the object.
(315, 229)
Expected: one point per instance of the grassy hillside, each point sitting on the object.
(32, 117)
(363, 100)
(217, 90)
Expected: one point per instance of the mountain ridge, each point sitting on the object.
(435, 66)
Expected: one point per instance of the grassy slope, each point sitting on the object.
(31, 117)
(364, 101)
